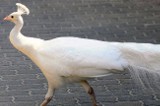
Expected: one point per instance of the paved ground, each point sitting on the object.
(21, 82)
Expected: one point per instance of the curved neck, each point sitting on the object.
(17, 39)
(22, 43)
(18, 26)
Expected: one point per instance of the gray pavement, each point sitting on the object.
(22, 83)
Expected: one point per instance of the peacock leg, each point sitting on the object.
(90, 91)
(48, 97)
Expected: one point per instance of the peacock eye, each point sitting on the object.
(12, 16)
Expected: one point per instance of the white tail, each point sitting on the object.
(145, 79)
(143, 63)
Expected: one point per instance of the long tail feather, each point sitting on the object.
(145, 79)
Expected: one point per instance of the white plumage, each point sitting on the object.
(67, 59)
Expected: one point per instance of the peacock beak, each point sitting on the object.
(7, 18)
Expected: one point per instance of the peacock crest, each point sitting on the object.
(22, 9)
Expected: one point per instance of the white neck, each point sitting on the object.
(26, 45)
(18, 40)
(15, 35)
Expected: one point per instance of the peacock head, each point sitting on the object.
(16, 17)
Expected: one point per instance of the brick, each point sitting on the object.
(15, 93)
(19, 77)
(5, 104)
(120, 92)
(5, 99)
(8, 72)
(128, 103)
(151, 103)
(107, 99)
(28, 103)
(10, 82)
(135, 98)
(27, 98)
(38, 91)
(25, 87)
(27, 71)
(34, 81)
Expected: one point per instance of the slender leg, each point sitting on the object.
(90, 91)
(48, 97)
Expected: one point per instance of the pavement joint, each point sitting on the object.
(13, 99)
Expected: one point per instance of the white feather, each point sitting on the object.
(82, 57)
(22, 9)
